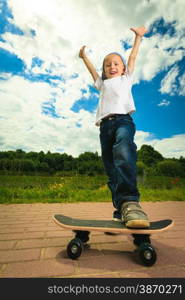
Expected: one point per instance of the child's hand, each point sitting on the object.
(82, 52)
(139, 30)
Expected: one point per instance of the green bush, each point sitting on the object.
(170, 168)
(141, 167)
(149, 156)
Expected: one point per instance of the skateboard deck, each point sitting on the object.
(146, 252)
(109, 225)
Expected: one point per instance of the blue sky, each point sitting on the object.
(48, 101)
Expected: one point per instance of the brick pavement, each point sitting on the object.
(32, 245)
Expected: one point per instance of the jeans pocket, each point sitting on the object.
(127, 121)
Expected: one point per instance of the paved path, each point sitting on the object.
(32, 245)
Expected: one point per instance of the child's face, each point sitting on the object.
(113, 66)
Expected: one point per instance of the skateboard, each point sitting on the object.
(82, 228)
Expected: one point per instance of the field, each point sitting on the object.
(31, 189)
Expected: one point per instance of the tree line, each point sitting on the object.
(150, 162)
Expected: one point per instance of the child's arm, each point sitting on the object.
(88, 64)
(139, 32)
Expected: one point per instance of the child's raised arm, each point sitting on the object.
(88, 64)
(139, 32)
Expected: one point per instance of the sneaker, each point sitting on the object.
(133, 215)
(117, 216)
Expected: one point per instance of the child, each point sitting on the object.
(117, 131)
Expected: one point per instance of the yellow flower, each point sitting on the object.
(103, 187)
(56, 186)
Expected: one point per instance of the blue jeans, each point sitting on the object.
(119, 157)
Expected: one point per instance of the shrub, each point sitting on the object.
(170, 168)
(141, 167)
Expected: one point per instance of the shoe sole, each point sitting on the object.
(138, 224)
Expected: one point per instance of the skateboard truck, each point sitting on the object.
(146, 252)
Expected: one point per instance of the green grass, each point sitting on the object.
(175, 194)
(32, 189)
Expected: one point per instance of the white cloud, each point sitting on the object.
(173, 146)
(169, 84)
(164, 103)
(61, 28)
(24, 126)
(182, 85)
(170, 147)
(142, 137)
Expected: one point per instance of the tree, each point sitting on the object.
(170, 168)
(32, 155)
(50, 160)
(149, 156)
(41, 156)
(42, 167)
(59, 161)
(182, 162)
(20, 153)
(140, 168)
(5, 164)
(91, 167)
(23, 165)
(88, 156)
(28, 165)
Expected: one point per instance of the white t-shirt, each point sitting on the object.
(115, 96)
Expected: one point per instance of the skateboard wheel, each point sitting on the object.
(74, 248)
(147, 254)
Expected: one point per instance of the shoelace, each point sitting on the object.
(129, 209)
